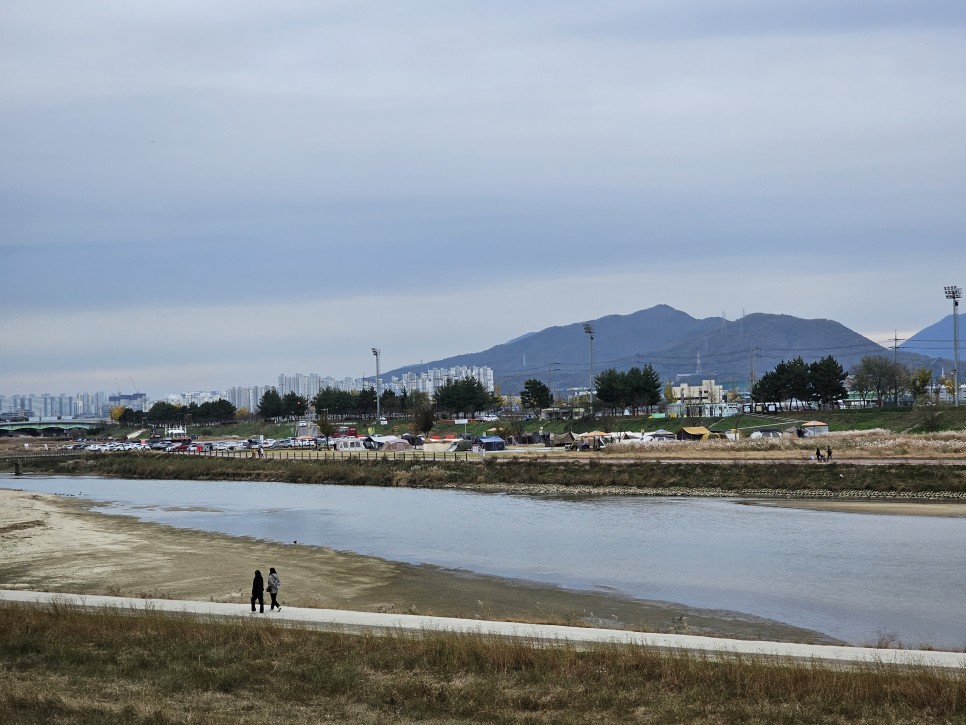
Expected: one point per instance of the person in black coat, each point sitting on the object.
(258, 592)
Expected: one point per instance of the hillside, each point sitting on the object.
(678, 345)
(933, 341)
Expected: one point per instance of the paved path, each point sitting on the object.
(343, 620)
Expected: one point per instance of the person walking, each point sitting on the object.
(258, 592)
(274, 584)
(818, 454)
(828, 453)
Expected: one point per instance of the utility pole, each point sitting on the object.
(895, 345)
(589, 329)
(955, 293)
(553, 397)
(377, 352)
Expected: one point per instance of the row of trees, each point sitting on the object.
(822, 382)
(637, 389)
(875, 377)
(465, 396)
(164, 413)
(456, 397)
(884, 379)
(332, 402)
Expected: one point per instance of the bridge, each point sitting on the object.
(48, 427)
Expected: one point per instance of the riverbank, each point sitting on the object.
(55, 543)
(762, 478)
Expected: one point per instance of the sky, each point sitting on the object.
(197, 195)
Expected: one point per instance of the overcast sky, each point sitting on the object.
(201, 194)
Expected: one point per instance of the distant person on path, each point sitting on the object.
(818, 454)
(828, 453)
(274, 584)
(258, 592)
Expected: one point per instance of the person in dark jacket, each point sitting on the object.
(258, 592)
(274, 584)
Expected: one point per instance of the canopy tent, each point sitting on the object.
(814, 428)
(492, 443)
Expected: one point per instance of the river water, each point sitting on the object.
(856, 577)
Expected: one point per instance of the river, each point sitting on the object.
(857, 577)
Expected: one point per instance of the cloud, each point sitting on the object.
(226, 158)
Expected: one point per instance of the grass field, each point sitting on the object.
(62, 665)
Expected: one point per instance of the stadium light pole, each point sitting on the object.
(377, 352)
(589, 329)
(955, 293)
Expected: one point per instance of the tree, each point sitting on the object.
(242, 413)
(669, 395)
(611, 389)
(423, 418)
(116, 412)
(163, 412)
(294, 405)
(271, 406)
(535, 395)
(467, 395)
(389, 402)
(643, 388)
(827, 381)
(875, 375)
(415, 401)
(366, 401)
(920, 382)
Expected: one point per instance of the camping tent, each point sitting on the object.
(693, 433)
(492, 443)
(396, 445)
(564, 439)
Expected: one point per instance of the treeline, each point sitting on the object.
(164, 413)
(636, 389)
(876, 377)
(821, 382)
(464, 396)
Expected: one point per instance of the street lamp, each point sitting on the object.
(589, 329)
(954, 293)
(377, 352)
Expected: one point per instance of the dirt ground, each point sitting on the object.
(52, 543)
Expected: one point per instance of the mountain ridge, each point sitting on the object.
(677, 345)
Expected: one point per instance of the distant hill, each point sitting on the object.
(679, 346)
(934, 341)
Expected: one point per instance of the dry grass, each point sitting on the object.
(63, 665)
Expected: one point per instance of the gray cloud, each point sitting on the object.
(230, 154)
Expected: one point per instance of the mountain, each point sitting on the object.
(677, 345)
(933, 341)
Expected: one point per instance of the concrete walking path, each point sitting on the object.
(343, 620)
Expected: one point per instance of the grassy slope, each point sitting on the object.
(62, 665)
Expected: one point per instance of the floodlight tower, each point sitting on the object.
(377, 352)
(955, 293)
(589, 329)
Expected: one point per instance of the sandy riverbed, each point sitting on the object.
(891, 508)
(53, 543)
